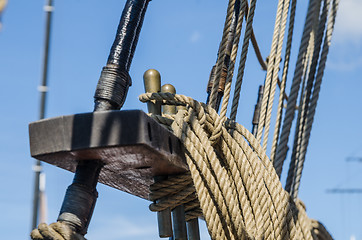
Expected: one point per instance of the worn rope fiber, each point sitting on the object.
(315, 95)
(304, 88)
(222, 52)
(234, 51)
(244, 52)
(238, 190)
(289, 115)
(55, 231)
(272, 71)
(237, 186)
(284, 79)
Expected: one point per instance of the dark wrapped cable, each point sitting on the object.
(114, 81)
(112, 86)
(127, 33)
(81, 196)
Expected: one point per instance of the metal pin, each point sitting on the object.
(164, 218)
(193, 231)
(257, 109)
(179, 223)
(152, 83)
(178, 214)
(168, 109)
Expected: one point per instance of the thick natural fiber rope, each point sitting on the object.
(320, 231)
(236, 183)
(234, 52)
(272, 71)
(55, 231)
(315, 96)
(305, 87)
(222, 52)
(244, 52)
(284, 79)
(289, 115)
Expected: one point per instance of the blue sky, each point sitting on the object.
(180, 39)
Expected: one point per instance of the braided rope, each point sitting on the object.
(187, 194)
(234, 52)
(244, 52)
(272, 71)
(302, 107)
(289, 115)
(306, 68)
(315, 96)
(55, 231)
(284, 79)
(235, 182)
(306, 87)
(305, 98)
(171, 185)
(320, 231)
(222, 52)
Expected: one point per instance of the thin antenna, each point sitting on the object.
(48, 9)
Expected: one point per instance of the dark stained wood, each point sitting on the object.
(133, 147)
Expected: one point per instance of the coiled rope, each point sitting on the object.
(232, 183)
(237, 186)
(239, 192)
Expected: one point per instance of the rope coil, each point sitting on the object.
(237, 187)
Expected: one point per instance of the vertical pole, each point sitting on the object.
(179, 223)
(178, 214)
(48, 8)
(152, 83)
(193, 231)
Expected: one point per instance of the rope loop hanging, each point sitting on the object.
(237, 187)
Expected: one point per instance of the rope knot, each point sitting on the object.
(55, 231)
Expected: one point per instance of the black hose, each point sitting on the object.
(114, 81)
(128, 31)
(111, 91)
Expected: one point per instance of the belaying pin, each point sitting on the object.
(168, 109)
(178, 213)
(152, 83)
(193, 231)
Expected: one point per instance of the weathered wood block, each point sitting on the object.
(133, 147)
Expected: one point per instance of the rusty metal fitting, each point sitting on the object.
(224, 74)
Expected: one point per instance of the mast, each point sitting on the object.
(37, 168)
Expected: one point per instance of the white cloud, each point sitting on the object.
(349, 22)
(195, 37)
